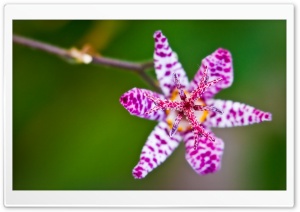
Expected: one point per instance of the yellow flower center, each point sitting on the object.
(184, 124)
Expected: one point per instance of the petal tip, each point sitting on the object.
(123, 99)
(267, 117)
(223, 51)
(138, 174)
(157, 34)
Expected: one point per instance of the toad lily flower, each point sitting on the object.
(186, 111)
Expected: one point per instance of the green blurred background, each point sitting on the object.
(71, 133)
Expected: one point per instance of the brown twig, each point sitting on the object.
(138, 68)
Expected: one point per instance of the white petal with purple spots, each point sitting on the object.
(235, 114)
(166, 63)
(219, 65)
(207, 158)
(138, 104)
(156, 150)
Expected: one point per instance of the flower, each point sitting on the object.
(206, 158)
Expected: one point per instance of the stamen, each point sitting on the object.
(152, 98)
(176, 123)
(179, 87)
(203, 84)
(205, 77)
(208, 84)
(196, 137)
(207, 108)
(156, 108)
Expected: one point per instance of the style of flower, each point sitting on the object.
(204, 156)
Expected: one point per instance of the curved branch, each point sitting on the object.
(138, 68)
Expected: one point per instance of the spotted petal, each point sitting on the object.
(207, 158)
(166, 63)
(235, 114)
(156, 150)
(136, 102)
(219, 65)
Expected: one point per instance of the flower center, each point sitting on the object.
(187, 105)
(184, 124)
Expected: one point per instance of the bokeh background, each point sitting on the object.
(71, 133)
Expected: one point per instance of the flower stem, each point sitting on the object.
(139, 68)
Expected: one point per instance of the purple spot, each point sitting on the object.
(168, 85)
(167, 73)
(158, 67)
(163, 39)
(266, 116)
(233, 112)
(169, 65)
(211, 145)
(189, 138)
(242, 120)
(220, 51)
(160, 151)
(163, 141)
(227, 60)
(131, 96)
(201, 164)
(139, 168)
(213, 157)
(213, 114)
(207, 153)
(161, 54)
(218, 57)
(219, 68)
(216, 74)
(241, 113)
(137, 174)
(193, 152)
(158, 35)
(151, 148)
(211, 64)
(147, 160)
(227, 70)
(250, 119)
(124, 99)
(155, 160)
(166, 131)
(159, 46)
